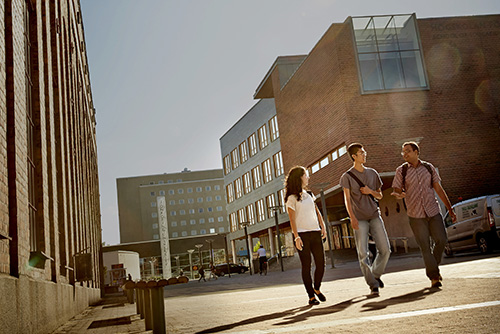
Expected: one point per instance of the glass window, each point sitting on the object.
(212, 230)
(189, 190)
(200, 199)
(342, 150)
(161, 182)
(192, 222)
(199, 189)
(184, 233)
(191, 211)
(271, 202)
(193, 232)
(190, 200)
(181, 201)
(182, 212)
(235, 160)
(217, 187)
(281, 200)
(170, 181)
(250, 213)
(180, 191)
(252, 144)
(203, 231)
(155, 226)
(243, 152)
(210, 220)
(171, 192)
(273, 128)
(257, 182)
(227, 164)
(202, 220)
(162, 192)
(324, 162)
(335, 155)
(263, 141)
(209, 199)
(230, 193)
(233, 221)
(154, 215)
(247, 183)
(266, 171)
(153, 204)
(261, 212)
(200, 210)
(315, 168)
(218, 198)
(174, 224)
(210, 209)
(175, 234)
(241, 215)
(238, 189)
(152, 193)
(156, 236)
(183, 223)
(220, 219)
(279, 169)
(221, 229)
(219, 208)
(171, 202)
(388, 51)
(208, 188)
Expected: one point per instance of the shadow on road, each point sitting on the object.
(289, 316)
(406, 298)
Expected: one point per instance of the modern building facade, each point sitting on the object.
(50, 229)
(253, 180)
(193, 206)
(384, 80)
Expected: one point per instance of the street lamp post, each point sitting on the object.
(210, 241)
(177, 262)
(226, 252)
(275, 213)
(245, 224)
(325, 218)
(190, 252)
(199, 253)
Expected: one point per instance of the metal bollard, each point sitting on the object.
(148, 312)
(140, 286)
(129, 289)
(159, 324)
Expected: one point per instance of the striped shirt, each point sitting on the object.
(420, 198)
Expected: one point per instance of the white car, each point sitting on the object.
(477, 226)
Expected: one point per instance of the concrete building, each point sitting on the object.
(169, 207)
(50, 229)
(384, 80)
(253, 180)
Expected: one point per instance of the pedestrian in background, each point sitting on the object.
(308, 230)
(261, 252)
(415, 182)
(362, 187)
(201, 272)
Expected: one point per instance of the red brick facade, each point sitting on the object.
(46, 60)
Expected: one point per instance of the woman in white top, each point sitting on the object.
(308, 230)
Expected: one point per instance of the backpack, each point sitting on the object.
(361, 184)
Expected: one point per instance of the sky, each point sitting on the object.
(169, 78)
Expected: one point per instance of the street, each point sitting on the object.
(468, 302)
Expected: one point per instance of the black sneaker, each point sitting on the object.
(374, 292)
(320, 295)
(313, 301)
(380, 283)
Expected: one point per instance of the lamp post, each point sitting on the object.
(245, 224)
(199, 253)
(275, 213)
(325, 218)
(226, 252)
(190, 252)
(177, 262)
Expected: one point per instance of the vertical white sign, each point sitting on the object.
(164, 238)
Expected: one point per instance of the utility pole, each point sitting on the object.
(275, 213)
(245, 224)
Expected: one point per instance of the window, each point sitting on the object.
(193, 232)
(182, 212)
(212, 230)
(173, 213)
(210, 209)
(235, 161)
(220, 219)
(256, 177)
(218, 198)
(170, 181)
(181, 201)
(233, 221)
(180, 191)
(192, 222)
(273, 128)
(230, 193)
(189, 190)
(171, 192)
(171, 202)
(388, 51)
(278, 164)
(202, 220)
(153, 204)
(219, 208)
(250, 214)
(161, 182)
(342, 150)
(241, 215)
(190, 200)
(203, 231)
(281, 200)
(179, 180)
(208, 188)
(217, 187)
(199, 189)
(243, 152)
(200, 210)
(238, 190)
(330, 157)
(154, 215)
(221, 229)
(153, 193)
(324, 162)
(184, 233)
(261, 212)
(263, 142)
(155, 226)
(227, 164)
(183, 223)
(174, 224)
(156, 236)
(162, 192)
(266, 171)
(252, 144)
(210, 220)
(200, 199)
(175, 234)
(209, 199)
(247, 183)
(191, 211)
(271, 202)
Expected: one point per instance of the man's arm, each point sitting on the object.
(321, 222)
(398, 193)
(444, 197)
(375, 193)
(348, 205)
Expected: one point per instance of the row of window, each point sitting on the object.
(248, 148)
(181, 191)
(192, 222)
(254, 179)
(191, 211)
(327, 159)
(257, 212)
(193, 232)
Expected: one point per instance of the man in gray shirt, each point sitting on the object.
(362, 186)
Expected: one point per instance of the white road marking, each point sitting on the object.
(288, 329)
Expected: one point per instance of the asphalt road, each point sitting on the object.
(468, 302)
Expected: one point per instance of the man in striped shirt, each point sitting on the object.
(415, 182)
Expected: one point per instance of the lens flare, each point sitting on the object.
(447, 61)
(487, 94)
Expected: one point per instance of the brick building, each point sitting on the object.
(50, 230)
(385, 80)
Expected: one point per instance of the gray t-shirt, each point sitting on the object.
(364, 206)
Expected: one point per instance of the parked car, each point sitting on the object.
(221, 269)
(477, 226)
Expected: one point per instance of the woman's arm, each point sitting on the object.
(293, 225)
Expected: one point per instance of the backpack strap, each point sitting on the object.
(405, 170)
(429, 168)
(361, 184)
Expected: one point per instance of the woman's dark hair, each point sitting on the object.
(293, 182)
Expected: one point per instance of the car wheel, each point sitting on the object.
(447, 251)
(482, 243)
(242, 271)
